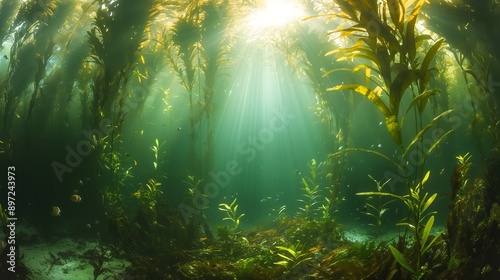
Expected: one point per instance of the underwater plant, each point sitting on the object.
(33, 29)
(196, 47)
(182, 51)
(398, 60)
(193, 184)
(388, 46)
(149, 193)
(156, 148)
(377, 208)
(459, 178)
(231, 214)
(117, 36)
(292, 256)
(418, 204)
(311, 191)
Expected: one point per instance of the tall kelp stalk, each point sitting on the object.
(117, 36)
(396, 59)
(45, 88)
(215, 47)
(182, 50)
(196, 48)
(30, 51)
(39, 27)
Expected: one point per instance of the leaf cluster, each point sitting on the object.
(418, 205)
(388, 41)
(311, 191)
(231, 213)
(292, 256)
(149, 193)
(377, 208)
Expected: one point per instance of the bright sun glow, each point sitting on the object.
(274, 13)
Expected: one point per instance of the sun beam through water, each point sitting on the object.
(272, 15)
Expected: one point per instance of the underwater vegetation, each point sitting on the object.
(126, 121)
(378, 207)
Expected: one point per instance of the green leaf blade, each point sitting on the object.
(401, 259)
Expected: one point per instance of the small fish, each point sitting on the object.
(80, 182)
(5, 56)
(56, 211)
(179, 128)
(76, 198)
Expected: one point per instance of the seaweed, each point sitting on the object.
(377, 208)
(231, 214)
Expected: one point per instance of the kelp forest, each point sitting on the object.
(250, 139)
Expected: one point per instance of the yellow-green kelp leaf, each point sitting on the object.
(384, 64)
(391, 119)
(367, 151)
(397, 12)
(347, 9)
(401, 259)
(420, 101)
(409, 43)
(372, 96)
(398, 87)
(394, 129)
(426, 128)
(424, 82)
(431, 54)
